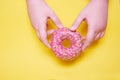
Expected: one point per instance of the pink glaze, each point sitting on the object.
(66, 53)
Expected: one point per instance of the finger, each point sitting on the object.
(102, 34)
(56, 20)
(49, 32)
(77, 22)
(89, 39)
(97, 36)
(43, 37)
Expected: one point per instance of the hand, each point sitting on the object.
(95, 14)
(39, 12)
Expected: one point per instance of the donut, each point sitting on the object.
(62, 52)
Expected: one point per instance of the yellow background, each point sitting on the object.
(24, 57)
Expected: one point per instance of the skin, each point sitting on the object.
(95, 14)
(39, 12)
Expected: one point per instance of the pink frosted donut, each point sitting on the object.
(60, 51)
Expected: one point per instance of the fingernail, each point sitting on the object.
(49, 46)
(83, 50)
(60, 26)
(72, 28)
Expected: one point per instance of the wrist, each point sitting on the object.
(41, 0)
(100, 1)
(37, 0)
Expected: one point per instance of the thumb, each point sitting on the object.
(56, 20)
(77, 22)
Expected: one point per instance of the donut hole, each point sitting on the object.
(66, 43)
